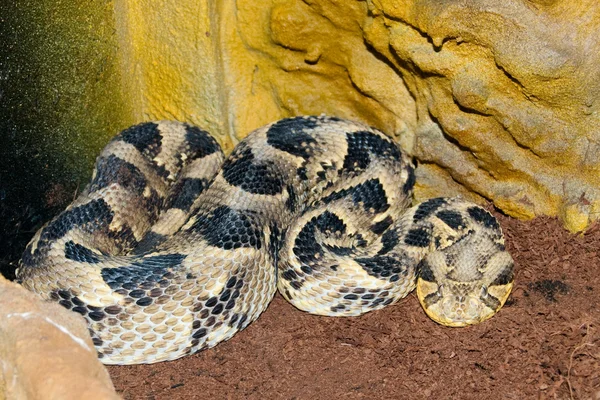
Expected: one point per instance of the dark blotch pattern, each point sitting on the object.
(242, 170)
(225, 295)
(123, 238)
(432, 298)
(153, 205)
(228, 229)
(291, 203)
(379, 227)
(427, 208)
(418, 237)
(389, 240)
(451, 218)
(243, 321)
(200, 142)
(340, 251)
(337, 308)
(149, 242)
(93, 216)
(76, 252)
(306, 269)
(96, 315)
(382, 266)
(142, 274)
(90, 216)
(301, 172)
(211, 302)
(505, 277)
(144, 137)
(68, 300)
(289, 275)
(491, 301)
(370, 194)
(425, 272)
(239, 320)
(306, 247)
(231, 282)
(360, 241)
(289, 135)
(483, 217)
(296, 285)
(329, 222)
(274, 243)
(363, 143)
(357, 159)
(410, 181)
(144, 301)
(200, 333)
(185, 192)
(113, 310)
(382, 300)
(220, 304)
(113, 169)
(218, 309)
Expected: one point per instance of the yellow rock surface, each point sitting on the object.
(171, 63)
(496, 100)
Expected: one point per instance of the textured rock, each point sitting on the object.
(289, 58)
(46, 351)
(508, 93)
(497, 100)
(500, 98)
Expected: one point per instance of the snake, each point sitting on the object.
(173, 248)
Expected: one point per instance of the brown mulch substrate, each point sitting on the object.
(544, 344)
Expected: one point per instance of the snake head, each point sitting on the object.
(465, 282)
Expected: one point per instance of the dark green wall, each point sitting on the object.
(60, 102)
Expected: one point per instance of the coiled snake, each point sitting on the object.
(172, 248)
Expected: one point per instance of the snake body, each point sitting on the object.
(173, 248)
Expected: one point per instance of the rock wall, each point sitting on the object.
(497, 100)
(507, 96)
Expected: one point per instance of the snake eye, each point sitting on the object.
(484, 292)
(440, 290)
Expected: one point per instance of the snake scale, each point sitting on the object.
(173, 248)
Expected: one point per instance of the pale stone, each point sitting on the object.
(46, 351)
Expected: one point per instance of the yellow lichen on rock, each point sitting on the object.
(301, 58)
(171, 62)
(514, 92)
(496, 100)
